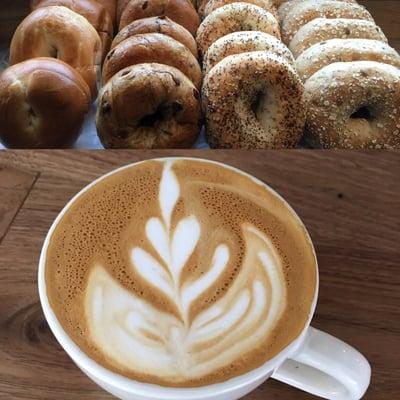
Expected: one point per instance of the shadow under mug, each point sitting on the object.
(315, 362)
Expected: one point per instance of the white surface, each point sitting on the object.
(88, 138)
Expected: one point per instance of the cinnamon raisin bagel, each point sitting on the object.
(244, 42)
(180, 11)
(267, 5)
(233, 18)
(162, 25)
(322, 29)
(152, 48)
(354, 106)
(43, 102)
(92, 10)
(344, 50)
(60, 33)
(253, 101)
(166, 112)
(309, 10)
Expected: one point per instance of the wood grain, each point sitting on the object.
(349, 201)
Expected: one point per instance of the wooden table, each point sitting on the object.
(349, 201)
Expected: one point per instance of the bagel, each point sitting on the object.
(308, 10)
(180, 11)
(267, 5)
(244, 42)
(233, 18)
(344, 50)
(354, 106)
(166, 112)
(253, 101)
(152, 48)
(162, 25)
(92, 10)
(60, 33)
(201, 5)
(322, 29)
(286, 6)
(43, 102)
(121, 4)
(111, 7)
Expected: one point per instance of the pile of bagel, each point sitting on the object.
(252, 96)
(351, 74)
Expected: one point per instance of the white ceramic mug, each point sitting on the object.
(315, 362)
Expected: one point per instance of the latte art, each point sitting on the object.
(180, 273)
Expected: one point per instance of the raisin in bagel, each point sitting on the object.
(166, 112)
(152, 48)
(162, 25)
(244, 42)
(309, 10)
(267, 5)
(322, 29)
(233, 18)
(180, 11)
(344, 50)
(354, 106)
(60, 33)
(253, 101)
(92, 10)
(43, 102)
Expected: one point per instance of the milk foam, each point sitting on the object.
(178, 346)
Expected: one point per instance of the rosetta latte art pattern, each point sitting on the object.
(138, 336)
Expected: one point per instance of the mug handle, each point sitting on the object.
(326, 367)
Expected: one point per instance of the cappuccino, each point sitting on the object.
(180, 272)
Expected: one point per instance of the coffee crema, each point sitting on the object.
(180, 272)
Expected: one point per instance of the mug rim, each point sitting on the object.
(100, 372)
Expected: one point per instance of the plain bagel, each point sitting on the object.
(152, 48)
(180, 11)
(253, 101)
(162, 25)
(244, 42)
(354, 106)
(322, 29)
(60, 33)
(309, 10)
(166, 113)
(43, 102)
(267, 5)
(344, 50)
(233, 18)
(92, 10)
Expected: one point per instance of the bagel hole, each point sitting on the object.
(164, 111)
(53, 52)
(362, 113)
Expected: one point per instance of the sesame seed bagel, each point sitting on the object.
(244, 42)
(253, 101)
(354, 106)
(162, 25)
(267, 5)
(152, 48)
(233, 18)
(322, 29)
(287, 6)
(166, 113)
(309, 10)
(344, 50)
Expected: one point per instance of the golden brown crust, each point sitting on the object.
(180, 11)
(92, 10)
(43, 102)
(111, 7)
(267, 5)
(166, 112)
(60, 33)
(252, 101)
(309, 10)
(152, 48)
(344, 50)
(162, 25)
(233, 18)
(354, 105)
(322, 29)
